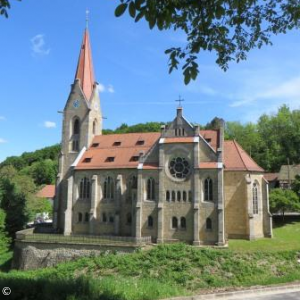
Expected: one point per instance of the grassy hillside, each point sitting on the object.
(163, 271)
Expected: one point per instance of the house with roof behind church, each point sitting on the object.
(180, 184)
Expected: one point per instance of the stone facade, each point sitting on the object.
(183, 185)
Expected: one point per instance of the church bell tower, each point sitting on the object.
(82, 120)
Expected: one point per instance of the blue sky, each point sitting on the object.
(40, 47)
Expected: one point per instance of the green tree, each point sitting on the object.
(4, 239)
(296, 185)
(284, 200)
(37, 206)
(230, 28)
(44, 172)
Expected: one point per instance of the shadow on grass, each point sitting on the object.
(278, 221)
(5, 261)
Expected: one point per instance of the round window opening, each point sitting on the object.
(179, 167)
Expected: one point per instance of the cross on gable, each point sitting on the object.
(179, 101)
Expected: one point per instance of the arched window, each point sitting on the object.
(79, 217)
(76, 126)
(94, 126)
(174, 222)
(168, 196)
(128, 219)
(208, 190)
(184, 196)
(208, 224)
(86, 217)
(183, 222)
(255, 198)
(190, 196)
(150, 221)
(150, 189)
(108, 188)
(178, 196)
(173, 196)
(85, 188)
(104, 218)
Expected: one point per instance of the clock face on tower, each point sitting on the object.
(76, 103)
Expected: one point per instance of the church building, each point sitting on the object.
(179, 184)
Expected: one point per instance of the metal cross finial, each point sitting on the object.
(87, 18)
(179, 100)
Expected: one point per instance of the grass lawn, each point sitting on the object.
(285, 237)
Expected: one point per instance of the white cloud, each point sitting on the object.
(2, 141)
(38, 45)
(2, 118)
(102, 88)
(49, 124)
(110, 88)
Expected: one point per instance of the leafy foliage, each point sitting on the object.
(230, 28)
(284, 200)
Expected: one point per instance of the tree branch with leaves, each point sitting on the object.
(230, 28)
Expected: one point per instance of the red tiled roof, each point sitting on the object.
(271, 176)
(85, 70)
(122, 154)
(236, 158)
(128, 147)
(47, 191)
(211, 134)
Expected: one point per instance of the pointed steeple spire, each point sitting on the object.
(85, 70)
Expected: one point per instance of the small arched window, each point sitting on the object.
(208, 190)
(76, 126)
(178, 196)
(150, 189)
(184, 196)
(208, 224)
(85, 188)
(168, 196)
(104, 218)
(79, 217)
(108, 188)
(128, 219)
(86, 217)
(183, 222)
(150, 221)
(94, 126)
(174, 222)
(173, 196)
(255, 198)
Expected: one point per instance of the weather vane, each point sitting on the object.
(179, 101)
(87, 18)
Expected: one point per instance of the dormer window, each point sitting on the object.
(140, 142)
(110, 159)
(208, 140)
(116, 144)
(87, 160)
(134, 158)
(94, 145)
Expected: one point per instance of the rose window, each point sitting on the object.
(179, 167)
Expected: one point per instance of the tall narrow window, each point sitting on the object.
(108, 188)
(255, 198)
(85, 188)
(133, 182)
(174, 222)
(104, 218)
(75, 134)
(173, 196)
(150, 221)
(208, 224)
(128, 219)
(86, 217)
(183, 222)
(94, 126)
(182, 131)
(208, 190)
(79, 217)
(178, 196)
(150, 189)
(184, 196)
(168, 196)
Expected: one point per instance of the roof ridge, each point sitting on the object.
(236, 144)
